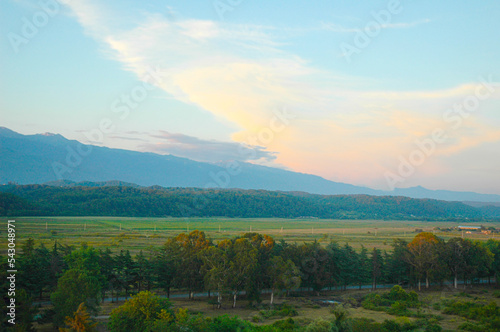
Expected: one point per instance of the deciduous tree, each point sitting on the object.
(74, 287)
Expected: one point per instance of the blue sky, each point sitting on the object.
(205, 77)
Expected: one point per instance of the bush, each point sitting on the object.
(283, 310)
(433, 328)
(226, 323)
(436, 306)
(285, 324)
(486, 315)
(320, 325)
(140, 312)
(397, 293)
(395, 302)
(364, 325)
(469, 326)
(288, 310)
(353, 302)
(398, 308)
(391, 326)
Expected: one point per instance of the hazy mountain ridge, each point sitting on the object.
(40, 158)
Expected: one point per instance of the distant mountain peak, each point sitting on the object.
(6, 132)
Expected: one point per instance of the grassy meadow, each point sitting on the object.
(139, 233)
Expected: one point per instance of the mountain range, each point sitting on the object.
(55, 160)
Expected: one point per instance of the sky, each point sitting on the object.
(382, 94)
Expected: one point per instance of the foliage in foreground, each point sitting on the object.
(486, 317)
(400, 302)
(146, 312)
(396, 302)
(80, 321)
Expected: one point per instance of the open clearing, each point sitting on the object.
(140, 233)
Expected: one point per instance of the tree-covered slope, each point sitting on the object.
(191, 202)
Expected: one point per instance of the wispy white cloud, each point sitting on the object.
(241, 73)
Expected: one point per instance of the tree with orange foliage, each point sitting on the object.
(186, 249)
(264, 245)
(80, 322)
(423, 255)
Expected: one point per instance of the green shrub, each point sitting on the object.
(391, 326)
(486, 315)
(436, 306)
(283, 310)
(399, 309)
(320, 325)
(433, 328)
(395, 302)
(287, 310)
(285, 324)
(364, 325)
(469, 326)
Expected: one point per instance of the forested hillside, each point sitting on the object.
(192, 202)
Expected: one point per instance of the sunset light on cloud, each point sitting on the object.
(225, 82)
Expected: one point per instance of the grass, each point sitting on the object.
(139, 233)
(307, 313)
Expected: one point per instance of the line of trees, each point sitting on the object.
(251, 263)
(37, 200)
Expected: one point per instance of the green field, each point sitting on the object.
(140, 233)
